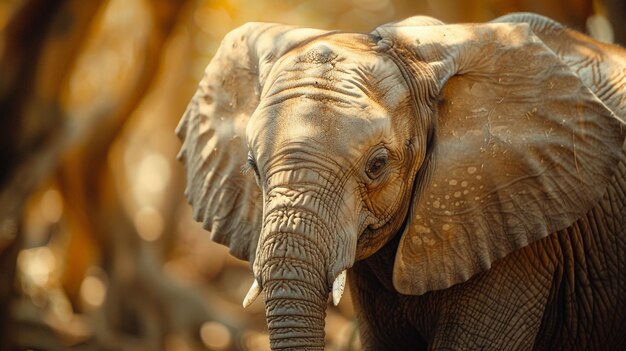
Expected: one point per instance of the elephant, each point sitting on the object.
(467, 181)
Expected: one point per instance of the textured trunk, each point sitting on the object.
(295, 316)
(300, 254)
(294, 279)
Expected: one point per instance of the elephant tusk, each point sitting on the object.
(338, 285)
(253, 293)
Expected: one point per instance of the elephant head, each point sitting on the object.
(468, 141)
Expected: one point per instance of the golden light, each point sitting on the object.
(372, 5)
(150, 177)
(51, 206)
(256, 341)
(214, 21)
(37, 265)
(61, 306)
(6, 8)
(148, 223)
(215, 335)
(174, 342)
(93, 291)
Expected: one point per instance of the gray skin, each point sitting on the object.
(470, 178)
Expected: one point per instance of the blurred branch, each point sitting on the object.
(139, 309)
(86, 178)
(35, 333)
(41, 41)
(8, 258)
(24, 36)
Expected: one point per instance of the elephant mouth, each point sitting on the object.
(374, 237)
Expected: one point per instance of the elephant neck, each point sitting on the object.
(381, 263)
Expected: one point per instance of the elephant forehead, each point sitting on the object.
(336, 93)
(333, 46)
(328, 126)
(343, 68)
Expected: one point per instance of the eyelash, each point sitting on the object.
(249, 165)
(245, 168)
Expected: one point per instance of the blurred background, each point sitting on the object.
(98, 250)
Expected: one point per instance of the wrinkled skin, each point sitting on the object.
(470, 178)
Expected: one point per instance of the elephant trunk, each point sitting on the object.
(295, 281)
(303, 251)
(295, 314)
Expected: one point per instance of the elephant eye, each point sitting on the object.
(377, 163)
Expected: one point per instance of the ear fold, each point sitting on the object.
(214, 149)
(521, 149)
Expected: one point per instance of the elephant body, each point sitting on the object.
(468, 180)
(563, 292)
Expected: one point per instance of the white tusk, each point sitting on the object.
(338, 285)
(253, 293)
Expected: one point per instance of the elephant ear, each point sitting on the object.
(213, 130)
(596, 63)
(520, 148)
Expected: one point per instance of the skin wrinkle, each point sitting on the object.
(298, 269)
(280, 290)
(323, 236)
(294, 288)
(292, 303)
(298, 193)
(330, 92)
(303, 242)
(304, 86)
(277, 291)
(290, 337)
(322, 173)
(308, 225)
(289, 331)
(292, 333)
(293, 153)
(321, 228)
(343, 177)
(300, 282)
(296, 303)
(415, 74)
(310, 149)
(592, 218)
(616, 77)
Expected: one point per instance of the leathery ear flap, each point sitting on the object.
(213, 131)
(521, 149)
